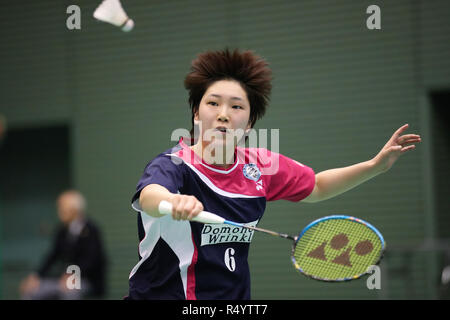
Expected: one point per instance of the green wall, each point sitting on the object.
(340, 91)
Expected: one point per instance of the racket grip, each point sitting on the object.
(165, 207)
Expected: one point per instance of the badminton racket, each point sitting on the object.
(334, 248)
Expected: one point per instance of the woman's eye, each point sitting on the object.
(213, 103)
(237, 107)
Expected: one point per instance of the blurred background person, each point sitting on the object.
(77, 242)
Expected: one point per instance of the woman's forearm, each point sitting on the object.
(150, 198)
(330, 183)
(333, 182)
(185, 207)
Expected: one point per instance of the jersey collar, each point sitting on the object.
(199, 160)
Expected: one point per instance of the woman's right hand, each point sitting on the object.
(185, 207)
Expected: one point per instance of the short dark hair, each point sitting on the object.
(249, 69)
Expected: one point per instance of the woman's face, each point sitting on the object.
(224, 112)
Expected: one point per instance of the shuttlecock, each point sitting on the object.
(111, 11)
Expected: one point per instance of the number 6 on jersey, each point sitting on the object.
(229, 259)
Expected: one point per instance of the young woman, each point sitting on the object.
(182, 259)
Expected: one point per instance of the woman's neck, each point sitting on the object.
(218, 156)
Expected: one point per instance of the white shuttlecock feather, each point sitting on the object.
(111, 11)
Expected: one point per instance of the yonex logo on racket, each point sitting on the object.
(340, 242)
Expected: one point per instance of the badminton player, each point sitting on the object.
(181, 259)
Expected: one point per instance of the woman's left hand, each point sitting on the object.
(397, 145)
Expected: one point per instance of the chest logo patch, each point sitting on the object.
(252, 172)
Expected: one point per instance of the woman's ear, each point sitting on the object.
(249, 127)
(196, 120)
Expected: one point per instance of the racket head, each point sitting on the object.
(337, 248)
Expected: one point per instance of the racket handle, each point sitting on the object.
(165, 207)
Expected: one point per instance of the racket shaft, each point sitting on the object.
(273, 233)
(165, 207)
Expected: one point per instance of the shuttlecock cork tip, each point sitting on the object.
(128, 25)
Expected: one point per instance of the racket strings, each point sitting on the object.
(337, 249)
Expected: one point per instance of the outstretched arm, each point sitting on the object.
(333, 182)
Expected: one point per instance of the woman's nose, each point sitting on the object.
(223, 114)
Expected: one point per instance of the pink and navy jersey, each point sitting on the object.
(191, 260)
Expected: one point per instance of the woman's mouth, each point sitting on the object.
(222, 130)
